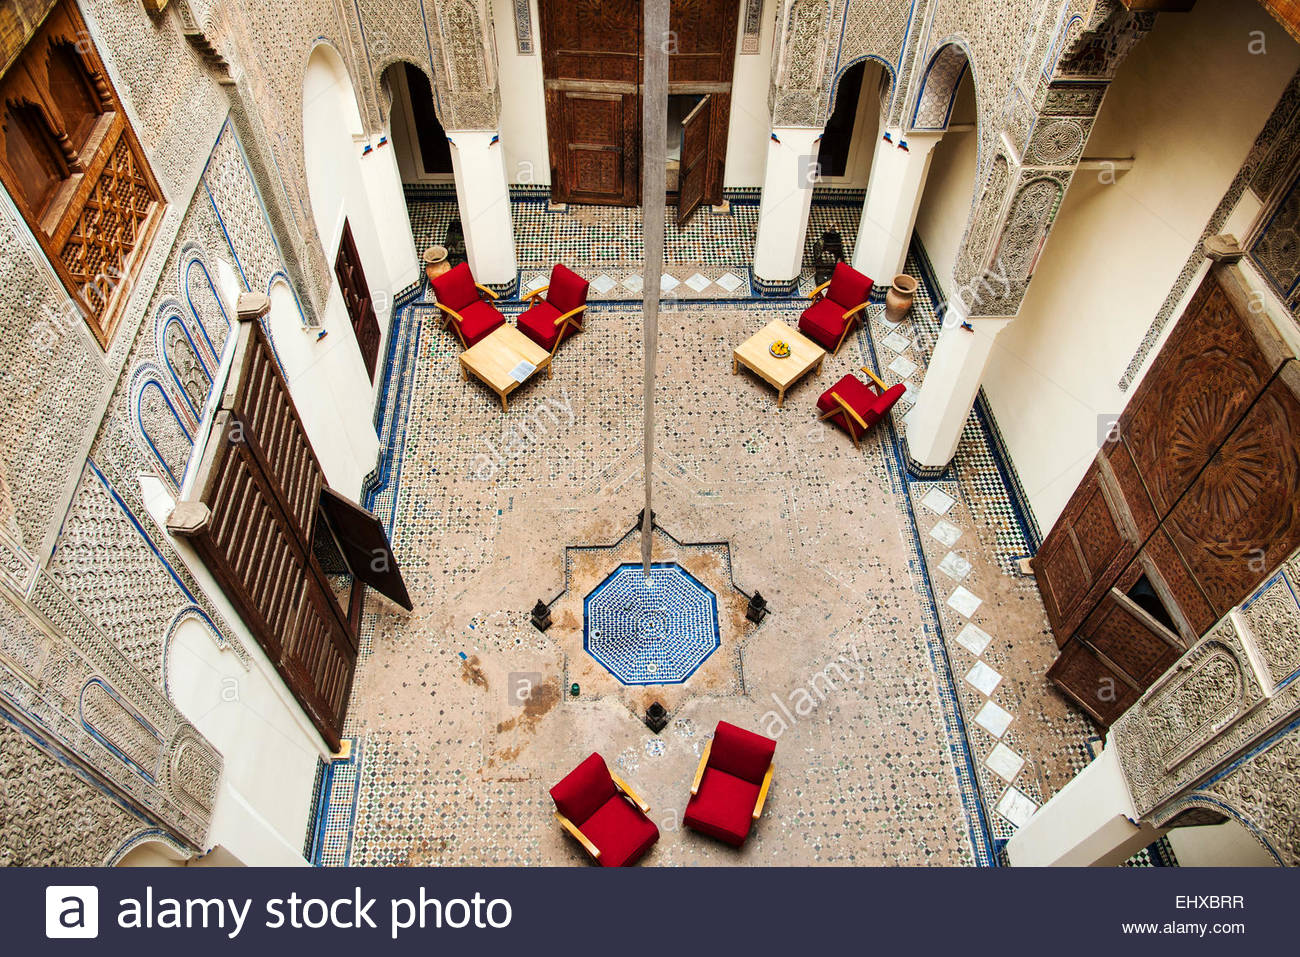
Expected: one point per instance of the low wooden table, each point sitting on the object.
(805, 356)
(495, 359)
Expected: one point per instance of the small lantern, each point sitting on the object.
(827, 251)
(756, 611)
(541, 616)
(656, 717)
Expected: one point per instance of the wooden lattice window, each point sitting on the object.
(74, 168)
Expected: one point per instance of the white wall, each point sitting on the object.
(523, 101)
(751, 120)
(1219, 845)
(1187, 105)
(268, 744)
(950, 188)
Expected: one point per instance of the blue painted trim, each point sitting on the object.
(195, 260)
(168, 320)
(153, 447)
(140, 769)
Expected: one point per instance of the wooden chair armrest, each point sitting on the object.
(813, 294)
(626, 789)
(848, 409)
(536, 292)
(451, 313)
(699, 772)
(856, 309)
(572, 828)
(762, 792)
(486, 290)
(875, 378)
(569, 315)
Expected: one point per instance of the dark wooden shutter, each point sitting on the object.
(365, 547)
(251, 517)
(692, 184)
(357, 301)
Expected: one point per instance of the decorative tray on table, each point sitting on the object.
(780, 349)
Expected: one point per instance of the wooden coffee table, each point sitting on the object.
(496, 360)
(805, 356)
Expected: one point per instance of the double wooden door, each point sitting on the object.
(592, 64)
(1186, 508)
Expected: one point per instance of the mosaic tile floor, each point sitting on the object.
(708, 258)
(901, 668)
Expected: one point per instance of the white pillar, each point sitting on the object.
(383, 185)
(1089, 823)
(898, 173)
(787, 197)
(484, 198)
(951, 383)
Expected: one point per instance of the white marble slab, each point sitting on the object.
(634, 283)
(964, 601)
(974, 638)
(897, 341)
(1016, 807)
(1004, 762)
(535, 283)
(730, 281)
(902, 367)
(938, 501)
(983, 678)
(699, 282)
(668, 283)
(946, 532)
(994, 718)
(954, 566)
(603, 284)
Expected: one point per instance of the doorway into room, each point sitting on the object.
(592, 67)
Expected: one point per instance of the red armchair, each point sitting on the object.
(458, 298)
(828, 320)
(730, 784)
(855, 406)
(604, 814)
(551, 320)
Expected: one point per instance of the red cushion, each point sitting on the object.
(848, 286)
(620, 832)
(743, 753)
(823, 322)
(586, 788)
(477, 320)
(455, 288)
(885, 401)
(723, 807)
(568, 290)
(538, 324)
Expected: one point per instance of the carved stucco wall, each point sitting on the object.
(1221, 729)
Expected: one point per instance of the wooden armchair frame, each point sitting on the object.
(843, 408)
(762, 791)
(571, 318)
(453, 318)
(851, 317)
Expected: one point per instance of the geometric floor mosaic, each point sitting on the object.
(901, 666)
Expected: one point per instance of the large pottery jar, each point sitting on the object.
(899, 298)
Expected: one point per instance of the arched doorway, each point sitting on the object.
(845, 152)
(419, 140)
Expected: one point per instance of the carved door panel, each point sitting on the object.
(1241, 517)
(696, 135)
(357, 301)
(1216, 361)
(1083, 554)
(596, 154)
(1131, 638)
(1100, 688)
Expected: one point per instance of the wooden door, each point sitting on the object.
(251, 517)
(1100, 688)
(1241, 517)
(357, 301)
(1087, 548)
(692, 179)
(1131, 638)
(591, 65)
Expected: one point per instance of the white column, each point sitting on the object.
(787, 197)
(898, 173)
(951, 383)
(484, 197)
(1089, 823)
(383, 185)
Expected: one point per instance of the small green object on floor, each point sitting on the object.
(574, 689)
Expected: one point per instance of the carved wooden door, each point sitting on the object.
(696, 129)
(357, 301)
(1241, 517)
(1100, 688)
(598, 164)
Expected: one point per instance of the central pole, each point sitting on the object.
(654, 159)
